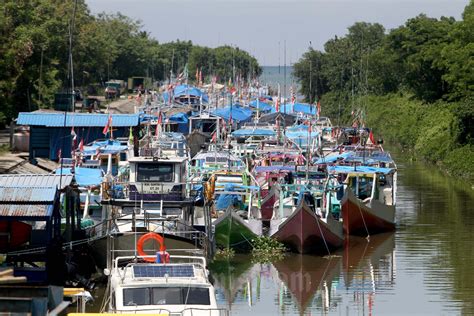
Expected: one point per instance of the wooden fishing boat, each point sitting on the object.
(231, 231)
(361, 218)
(304, 231)
(238, 218)
(368, 203)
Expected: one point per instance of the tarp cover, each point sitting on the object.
(359, 169)
(239, 113)
(85, 177)
(246, 132)
(185, 90)
(226, 200)
(260, 105)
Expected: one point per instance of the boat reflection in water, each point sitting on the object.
(345, 282)
(306, 281)
(368, 267)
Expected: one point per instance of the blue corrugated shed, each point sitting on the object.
(55, 119)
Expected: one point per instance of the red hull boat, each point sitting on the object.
(369, 218)
(305, 232)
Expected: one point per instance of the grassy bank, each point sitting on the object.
(440, 133)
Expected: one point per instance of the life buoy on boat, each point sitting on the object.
(164, 256)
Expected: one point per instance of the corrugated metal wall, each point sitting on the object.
(45, 142)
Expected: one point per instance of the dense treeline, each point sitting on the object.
(34, 50)
(413, 84)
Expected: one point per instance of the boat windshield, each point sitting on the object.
(166, 296)
(155, 172)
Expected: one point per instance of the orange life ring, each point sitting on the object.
(144, 238)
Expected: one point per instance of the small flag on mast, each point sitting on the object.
(107, 126)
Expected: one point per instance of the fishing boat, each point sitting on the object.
(151, 196)
(235, 209)
(162, 284)
(308, 230)
(368, 203)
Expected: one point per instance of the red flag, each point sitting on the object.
(160, 118)
(81, 145)
(214, 137)
(277, 104)
(319, 107)
(108, 125)
(371, 137)
(60, 152)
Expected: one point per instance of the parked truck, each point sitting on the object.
(136, 84)
(114, 88)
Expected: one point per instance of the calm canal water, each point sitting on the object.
(426, 267)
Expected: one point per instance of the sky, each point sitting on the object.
(276, 32)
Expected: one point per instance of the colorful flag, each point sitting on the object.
(293, 97)
(107, 126)
(371, 137)
(214, 137)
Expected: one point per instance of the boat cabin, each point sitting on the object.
(180, 286)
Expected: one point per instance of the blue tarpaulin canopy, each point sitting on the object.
(226, 200)
(260, 105)
(238, 113)
(179, 117)
(104, 147)
(85, 177)
(186, 90)
(359, 169)
(297, 108)
(246, 132)
(333, 158)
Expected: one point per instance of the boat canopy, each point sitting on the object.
(85, 177)
(333, 158)
(236, 112)
(179, 118)
(186, 90)
(260, 105)
(104, 147)
(304, 108)
(247, 132)
(359, 169)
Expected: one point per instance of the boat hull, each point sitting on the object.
(304, 232)
(231, 231)
(366, 219)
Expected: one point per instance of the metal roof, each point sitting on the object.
(35, 180)
(18, 210)
(23, 195)
(55, 119)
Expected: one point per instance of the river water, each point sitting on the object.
(424, 268)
